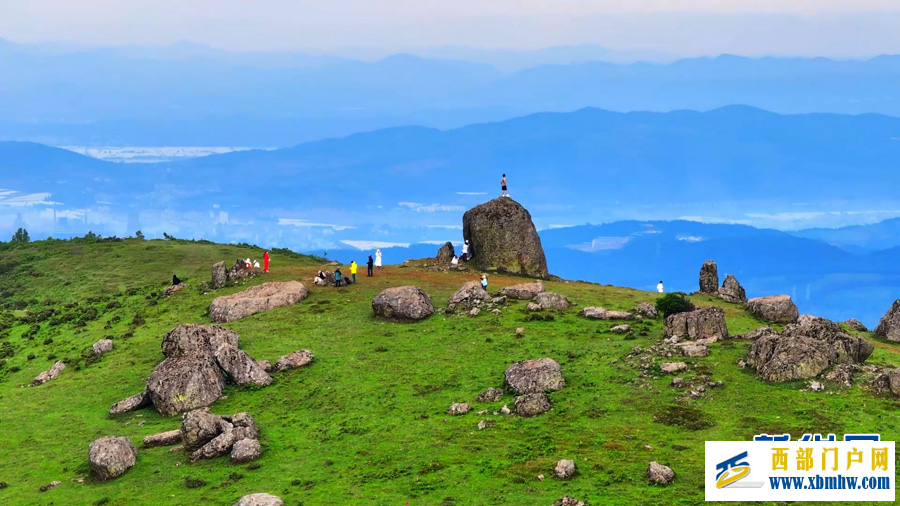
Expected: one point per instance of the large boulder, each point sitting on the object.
(199, 427)
(709, 278)
(550, 300)
(245, 450)
(110, 457)
(757, 333)
(646, 310)
(240, 367)
(167, 438)
(256, 299)
(856, 325)
(470, 295)
(445, 254)
(402, 303)
(48, 375)
(189, 340)
(219, 275)
(182, 384)
(805, 350)
(503, 238)
(732, 291)
(705, 323)
(774, 308)
(889, 326)
(523, 291)
(599, 313)
(535, 375)
(102, 347)
(259, 500)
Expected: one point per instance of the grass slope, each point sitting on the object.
(366, 422)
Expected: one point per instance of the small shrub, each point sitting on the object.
(101, 502)
(49, 340)
(194, 482)
(51, 356)
(113, 304)
(254, 466)
(673, 303)
(15, 368)
(30, 356)
(6, 350)
(138, 320)
(128, 335)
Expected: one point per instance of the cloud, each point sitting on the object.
(602, 243)
(307, 223)
(448, 227)
(438, 243)
(422, 208)
(689, 238)
(367, 245)
(15, 199)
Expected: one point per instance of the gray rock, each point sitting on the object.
(218, 446)
(599, 313)
(402, 303)
(732, 291)
(523, 291)
(445, 254)
(775, 308)
(755, 334)
(182, 384)
(646, 310)
(709, 278)
(239, 271)
(475, 311)
(856, 325)
(533, 307)
(459, 408)
(496, 312)
(621, 329)
(847, 349)
(702, 323)
(245, 450)
(677, 382)
(503, 238)
(484, 424)
(259, 500)
(245, 427)
(133, 403)
(190, 340)
(693, 349)
(294, 360)
(816, 386)
(536, 375)
(265, 365)
(490, 395)
(102, 347)
(219, 276)
(111, 457)
(566, 500)
(48, 375)
(670, 367)
(169, 438)
(564, 469)
(659, 474)
(550, 300)
(889, 326)
(532, 404)
(256, 299)
(500, 301)
(199, 427)
(240, 367)
(468, 296)
(172, 290)
(887, 381)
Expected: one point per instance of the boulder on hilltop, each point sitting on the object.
(536, 375)
(256, 299)
(889, 326)
(503, 238)
(402, 303)
(709, 278)
(523, 291)
(445, 254)
(774, 308)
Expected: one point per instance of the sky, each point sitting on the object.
(836, 28)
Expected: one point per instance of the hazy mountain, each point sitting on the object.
(191, 94)
(877, 236)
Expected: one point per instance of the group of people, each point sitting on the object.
(340, 279)
(255, 263)
(465, 257)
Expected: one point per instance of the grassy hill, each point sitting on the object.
(365, 423)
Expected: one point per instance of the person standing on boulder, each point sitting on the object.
(503, 187)
(659, 287)
(353, 270)
(369, 265)
(378, 258)
(266, 261)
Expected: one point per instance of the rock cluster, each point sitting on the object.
(503, 238)
(110, 457)
(207, 436)
(445, 254)
(238, 272)
(402, 303)
(549, 300)
(702, 324)
(774, 308)
(522, 291)
(889, 326)
(256, 299)
(470, 296)
(48, 375)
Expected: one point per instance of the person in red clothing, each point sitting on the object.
(266, 261)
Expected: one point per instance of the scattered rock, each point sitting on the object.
(110, 457)
(524, 291)
(256, 299)
(48, 375)
(459, 408)
(102, 347)
(245, 450)
(677, 382)
(500, 301)
(659, 474)
(503, 238)
(240, 367)
(732, 291)
(474, 312)
(532, 404)
(259, 500)
(533, 307)
(470, 295)
(856, 325)
(168, 438)
(564, 469)
(887, 381)
(445, 254)
(50, 486)
(402, 303)
(709, 278)
(889, 326)
(505, 410)
(816, 386)
(294, 360)
(693, 349)
(753, 335)
(842, 375)
(550, 300)
(496, 312)
(599, 313)
(670, 367)
(490, 395)
(171, 290)
(774, 308)
(705, 323)
(266, 365)
(568, 501)
(199, 427)
(133, 403)
(621, 329)
(535, 375)
(646, 310)
(219, 277)
(484, 424)
(519, 332)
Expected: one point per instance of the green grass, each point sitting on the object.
(365, 423)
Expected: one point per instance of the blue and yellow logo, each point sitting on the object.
(731, 470)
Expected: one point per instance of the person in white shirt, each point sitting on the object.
(378, 258)
(256, 264)
(659, 287)
(455, 261)
(465, 252)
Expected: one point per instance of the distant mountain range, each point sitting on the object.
(197, 96)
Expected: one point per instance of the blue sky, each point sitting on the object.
(679, 27)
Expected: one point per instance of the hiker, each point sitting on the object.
(337, 277)
(353, 270)
(378, 258)
(484, 281)
(256, 264)
(319, 280)
(369, 265)
(248, 262)
(454, 261)
(266, 261)
(503, 187)
(659, 287)
(465, 252)
(175, 280)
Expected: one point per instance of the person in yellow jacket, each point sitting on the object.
(353, 271)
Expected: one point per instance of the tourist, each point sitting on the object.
(465, 252)
(320, 278)
(175, 280)
(337, 277)
(503, 187)
(266, 261)
(353, 270)
(484, 281)
(248, 262)
(256, 264)
(659, 287)
(369, 265)
(454, 261)
(378, 258)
